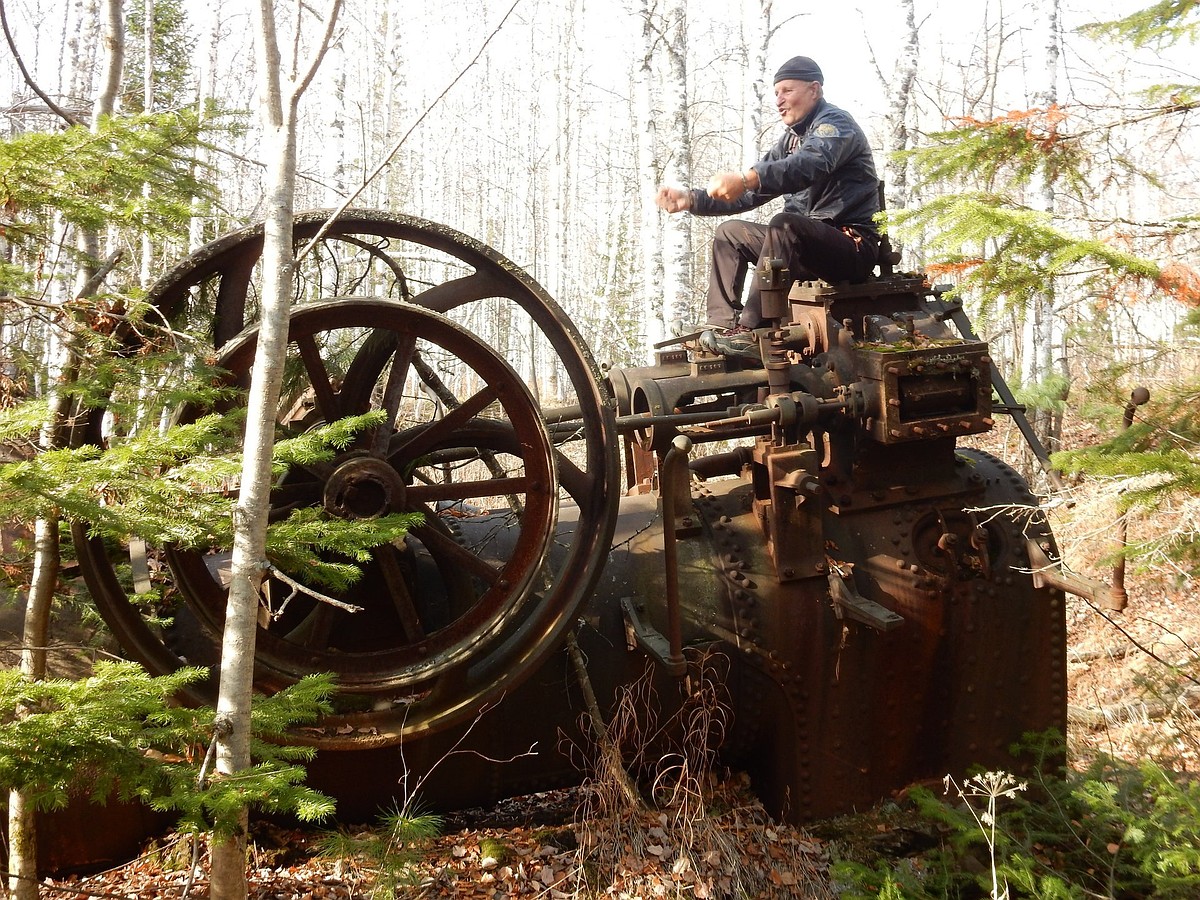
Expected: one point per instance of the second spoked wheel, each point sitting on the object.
(442, 596)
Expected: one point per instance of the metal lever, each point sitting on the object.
(1052, 574)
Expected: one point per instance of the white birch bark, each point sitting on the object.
(756, 36)
(335, 146)
(562, 179)
(277, 117)
(22, 831)
(392, 101)
(646, 118)
(61, 362)
(147, 258)
(205, 93)
(83, 16)
(250, 520)
(677, 296)
(1039, 332)
(899, 92)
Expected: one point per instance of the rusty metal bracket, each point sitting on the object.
(1053, 574)
(773, 275)
(849, 603)
(640, 633)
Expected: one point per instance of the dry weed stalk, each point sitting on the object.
(703, 837)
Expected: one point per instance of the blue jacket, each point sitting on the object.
(823, 169)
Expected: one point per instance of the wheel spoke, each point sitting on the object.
(296, 493)
(402, 599)
(464, 490)
(316, 629)
(454, 293)
(318, 375)
(443, 393)
(441, 429)
(578, 484)
(438, 543)
(393, 392)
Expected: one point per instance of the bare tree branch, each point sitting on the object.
(12, 46)
(319, 54)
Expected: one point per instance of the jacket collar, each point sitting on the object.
(801, 127)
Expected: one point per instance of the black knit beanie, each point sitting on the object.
(799, 68)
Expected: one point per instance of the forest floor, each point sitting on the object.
(1121, 703)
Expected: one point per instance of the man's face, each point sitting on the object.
(796, 99)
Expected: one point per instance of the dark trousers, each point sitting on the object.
(809, 248)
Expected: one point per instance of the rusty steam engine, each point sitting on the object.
(806, 517)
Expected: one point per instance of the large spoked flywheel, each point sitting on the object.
(475, 596)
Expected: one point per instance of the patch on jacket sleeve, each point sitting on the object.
(826, 130)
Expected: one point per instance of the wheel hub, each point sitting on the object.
(363, 487)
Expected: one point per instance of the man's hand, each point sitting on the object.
(673, 200)
(728, 186)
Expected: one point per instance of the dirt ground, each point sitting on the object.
(1126, 695)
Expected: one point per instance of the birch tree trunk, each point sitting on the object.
(61, 357)
(82, 19)
(650, 245)
(336, 168)
(22, 833)
(1039, 333)
(206, 90)
(393, 103)
(756, 35)
(277, 116)
(677, 241)
(562, 181)
(899, 92)
(148, 105)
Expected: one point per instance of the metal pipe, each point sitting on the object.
(627, 424)
(731, 462)
(1137, 397)
(674, 469)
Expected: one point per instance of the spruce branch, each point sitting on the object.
(1162, 24)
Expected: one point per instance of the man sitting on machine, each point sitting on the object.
(823, 168)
